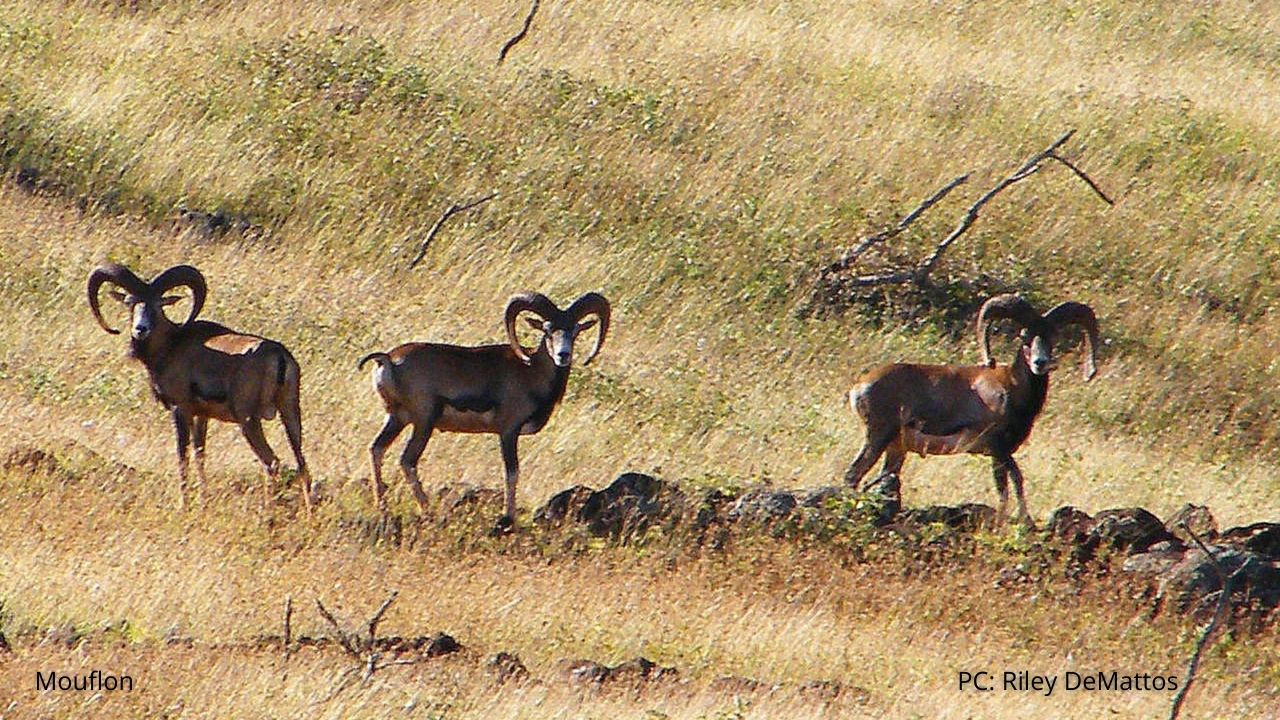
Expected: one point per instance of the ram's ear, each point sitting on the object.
(535, 323)
(117, 296)
(587, 324)
(168, 300)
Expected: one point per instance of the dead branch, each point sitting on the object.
(1224, 602)
(1081, 174)
(346, 641)
(453, 209)
(288, 625)
(919, 273)
(372, 625)
(528, 20)
(1029, 168)
(852, 255)
(363, 649)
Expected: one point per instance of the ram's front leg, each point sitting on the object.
(182, 424)
(511, 464)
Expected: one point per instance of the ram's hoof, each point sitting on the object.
(504, 526)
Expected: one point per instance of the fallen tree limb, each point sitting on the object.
(372, 625)
(851, 256)
(835, 274)
(452, 210)
(528, 20)
(1029, 168)
(364, 650)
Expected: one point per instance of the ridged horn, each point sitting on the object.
(1069, 313)
(1008, 306)
(118, 275)
(592, 304)
(533, 302)
(179, 276)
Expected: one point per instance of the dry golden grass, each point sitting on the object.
(694, 161)
(132, 577)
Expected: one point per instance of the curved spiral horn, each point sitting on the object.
(1008, 306)
(592, 304)
(118, 275)
(178, 276)
(533, 302)
(1069, 313)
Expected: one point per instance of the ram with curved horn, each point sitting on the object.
(500, 389)
(985, 409)
(201, 370)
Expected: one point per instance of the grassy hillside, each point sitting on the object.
(696, 163)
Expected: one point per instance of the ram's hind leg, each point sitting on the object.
(291, 417)
(894, 456)
(409, 459)
(877, 440)
(1001, 466)
(199, 431)
(1023, 514)
(252, 430)
(1000, 472)
(390, 431)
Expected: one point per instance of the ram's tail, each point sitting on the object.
(381, 357)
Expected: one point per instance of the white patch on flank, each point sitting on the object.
(856, 393)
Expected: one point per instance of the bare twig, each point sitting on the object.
(372, 625)
(528, 20)
(363, 649)
(1028, 169)
(1081, 174)
(288, 625)
(852, 255)
(1224, 602)
(338, 634)
(453, 209)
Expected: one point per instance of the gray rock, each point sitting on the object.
(1262, 538)
(1133, 530)
(562, 505)
(1153, 563)
(505, 667)
(1193, 583)
(584, 671)
(1198, 519)
(741, 685)
(763, 505)
(1071, 524)
(818, 497)
(640, 669)
(630, 505)
(711, 509)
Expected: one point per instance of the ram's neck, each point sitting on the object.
(152, 351)
(1026, 400)
(547, 392)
